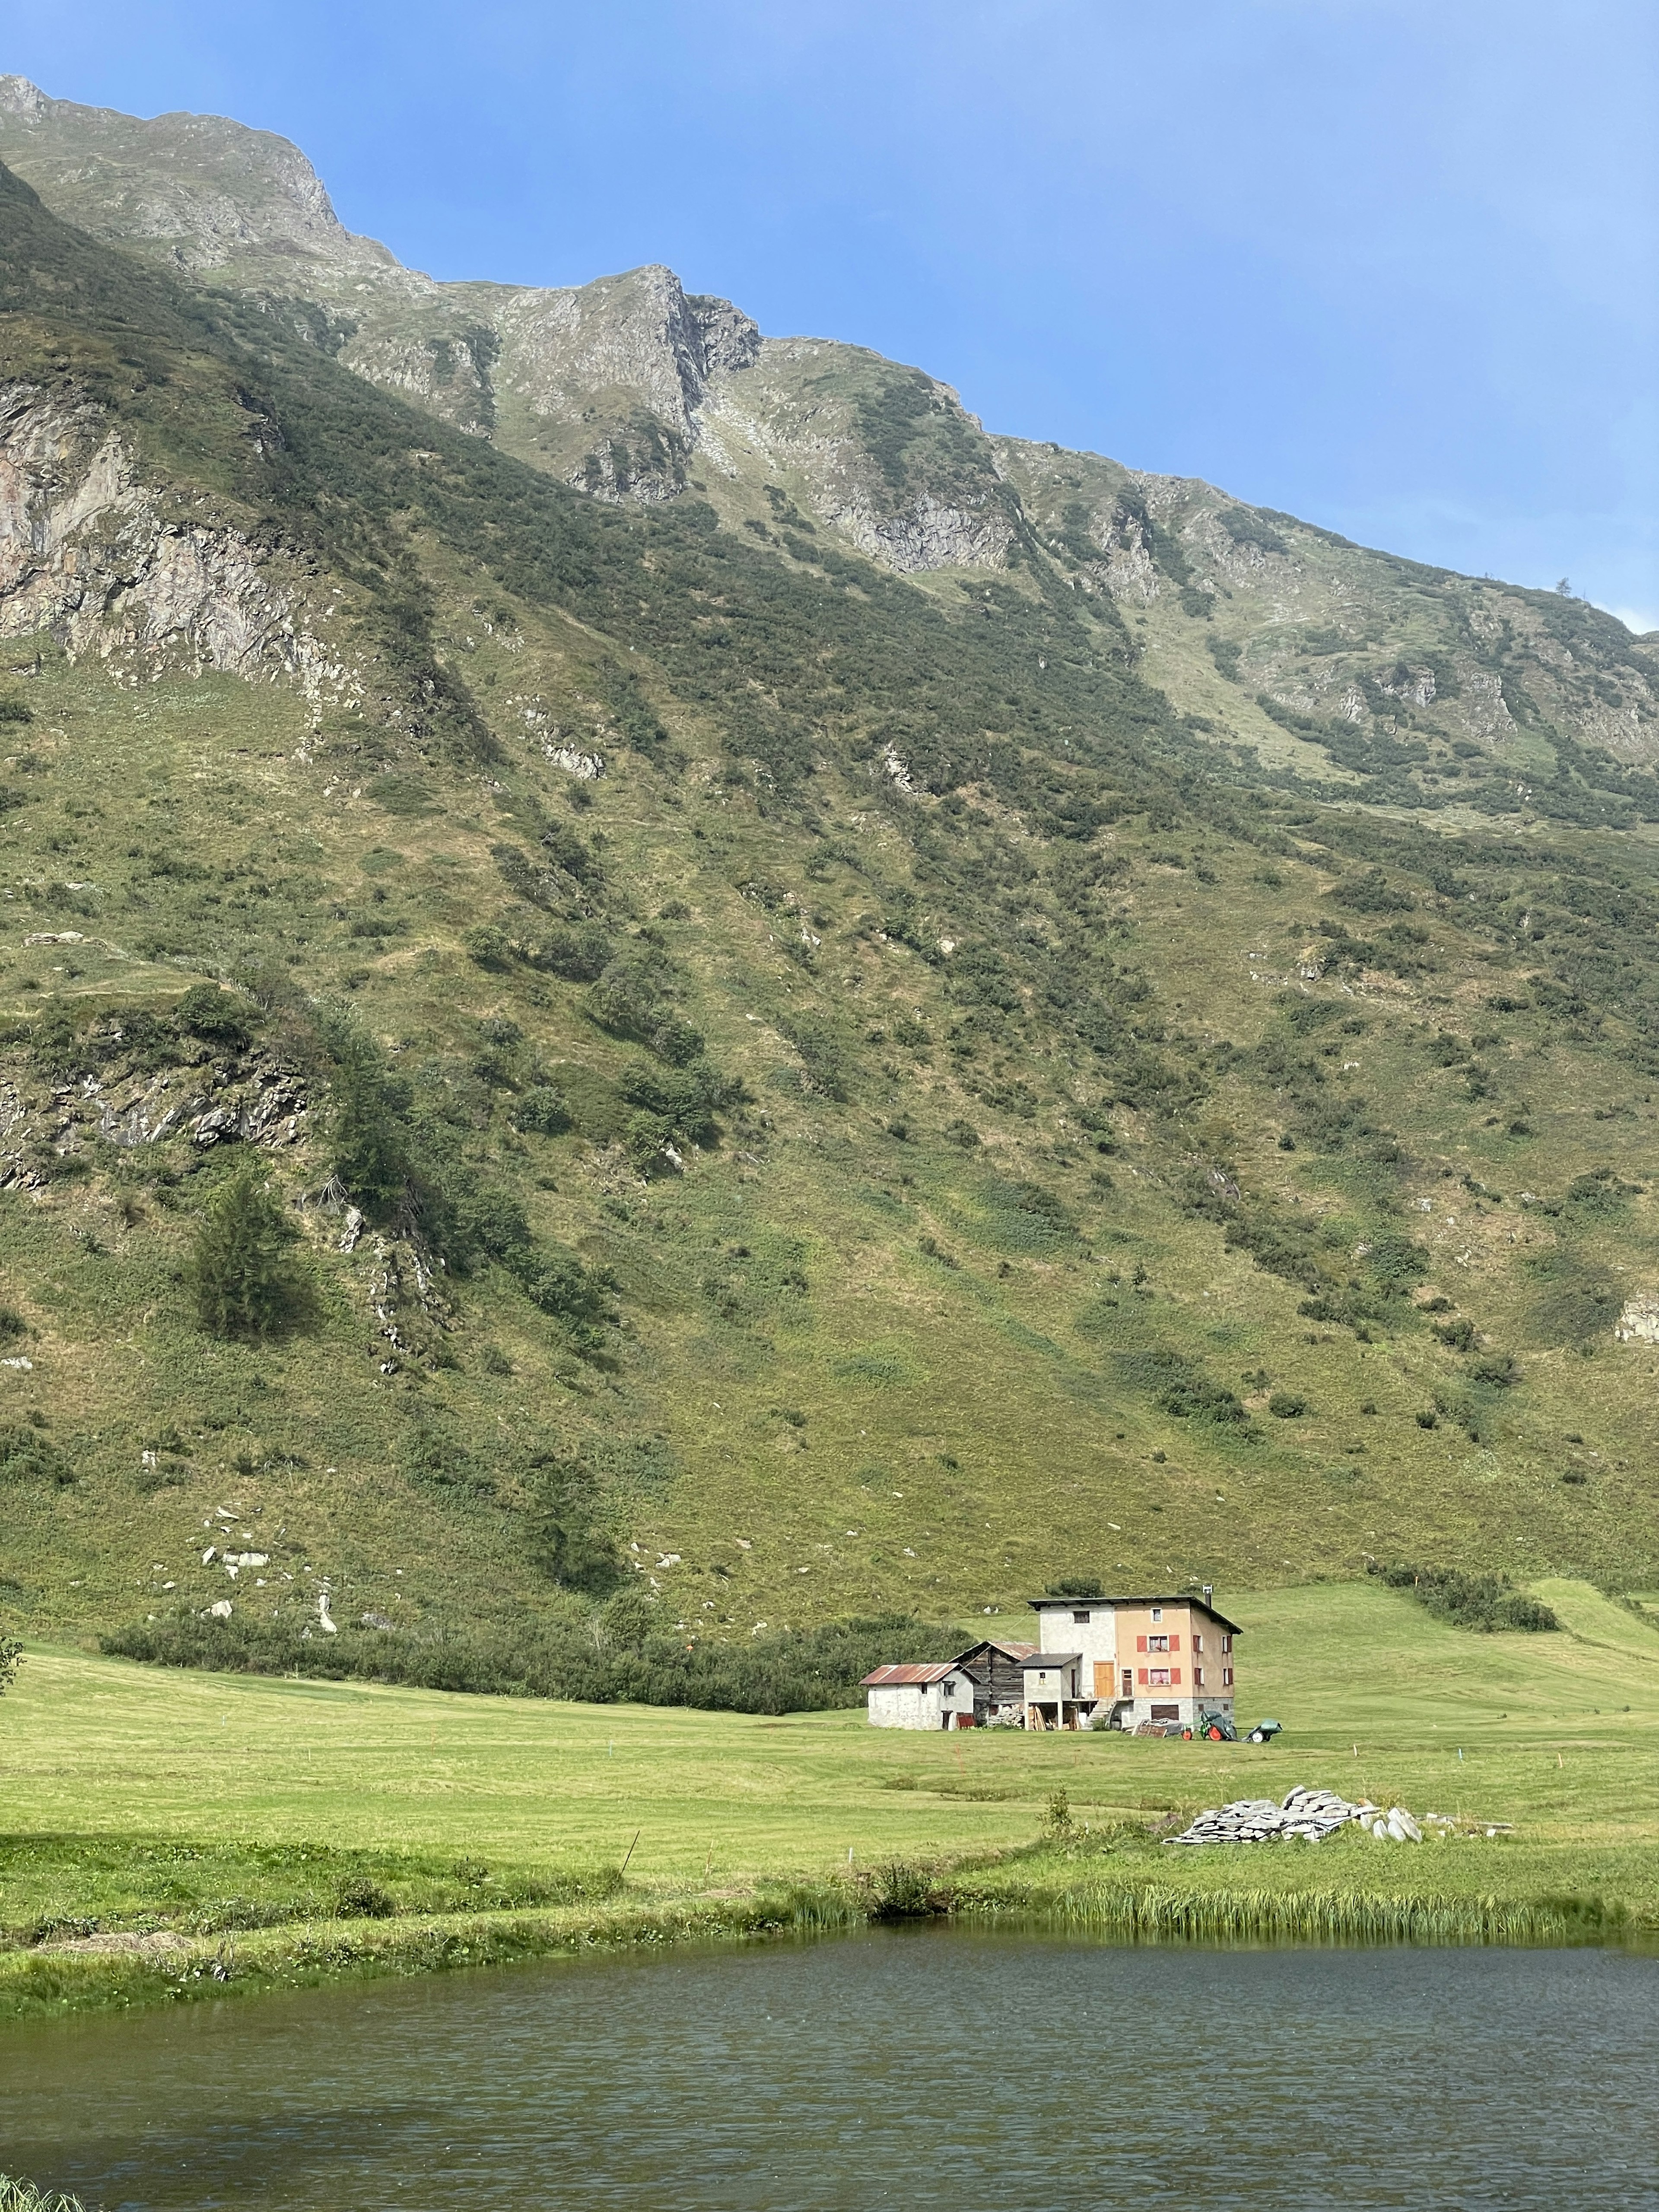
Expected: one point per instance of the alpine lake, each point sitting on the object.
(921, 2067)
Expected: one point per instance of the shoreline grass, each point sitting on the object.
(293, 1832)
(1051, 1898)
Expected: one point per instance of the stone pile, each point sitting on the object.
(1311, 1814)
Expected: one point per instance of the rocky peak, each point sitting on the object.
(204, 193)
(730, 340)
(19, 97)
(637, 336)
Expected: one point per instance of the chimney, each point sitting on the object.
(1209, 1593)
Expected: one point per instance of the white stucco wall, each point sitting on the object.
(919, 1705)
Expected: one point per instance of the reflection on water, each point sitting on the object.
(934, 2069)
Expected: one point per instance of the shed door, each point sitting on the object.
(1103, 1671)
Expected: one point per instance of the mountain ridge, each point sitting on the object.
(871, 1100)
(1263, 630)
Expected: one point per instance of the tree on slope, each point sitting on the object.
(241, 1270)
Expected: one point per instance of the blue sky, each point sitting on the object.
(1389, 265)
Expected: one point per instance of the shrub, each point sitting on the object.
(1500, 1369)
(11, 1653)
(27, 1457)
(489, 946)
(579, 955)
(1079, 1586)
(554, 1278)
(58, 1045)
(241, 1272)
(362, 1898)
(207, 1011)
(802, 1670)
(899, 1892)
(1485, 1603)
(1287, 1405)
(543, 1111)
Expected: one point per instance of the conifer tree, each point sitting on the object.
(242, 1270)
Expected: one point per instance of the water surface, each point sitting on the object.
(973, 2073)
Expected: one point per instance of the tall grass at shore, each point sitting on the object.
(176, 1834)
(23, 2196)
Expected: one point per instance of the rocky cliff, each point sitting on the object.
(1335, 666)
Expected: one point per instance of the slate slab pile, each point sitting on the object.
(1308, 1814)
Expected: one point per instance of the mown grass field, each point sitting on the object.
(217, 1806)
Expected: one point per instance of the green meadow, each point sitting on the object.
(162, 1825)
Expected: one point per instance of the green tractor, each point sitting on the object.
(1216, 1728)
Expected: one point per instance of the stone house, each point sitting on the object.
(1098, 1662)
(932, 1695)
(1168, 1659)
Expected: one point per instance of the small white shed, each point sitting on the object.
(933, 1695)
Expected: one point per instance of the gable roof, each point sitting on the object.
(1105, 1604)
(892, 1678)
(1009, 1651)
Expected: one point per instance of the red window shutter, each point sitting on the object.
(1175, 1644)
(1141, 1644)
(1143, 1671)
(1175, 1678)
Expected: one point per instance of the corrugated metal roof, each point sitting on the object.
(887, 1678)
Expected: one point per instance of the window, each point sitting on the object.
(1226, 1642)
(1158, 1642)
(1157, 1613)
(1128, 1683)
(1081, 1619)
(1198, 1678)
(1198, 1643)
(1158, 1678)
(1226, 1678)
(1166, 1712)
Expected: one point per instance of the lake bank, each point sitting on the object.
(224, 1819)
(1359, 1892)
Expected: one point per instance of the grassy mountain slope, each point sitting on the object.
(923, 1115)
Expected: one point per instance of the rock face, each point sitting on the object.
(1639, 1322)
(614, 386)
(109, 566)
(634, 391)
(203, 192)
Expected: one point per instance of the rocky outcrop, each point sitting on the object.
(632, 356)
(928, 533)
(203, 192)
(108, 566)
